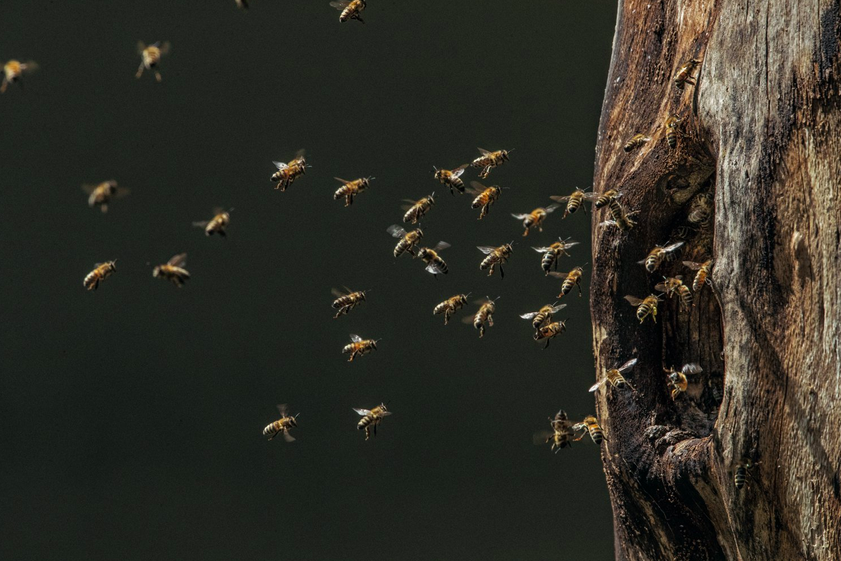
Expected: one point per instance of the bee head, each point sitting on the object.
(673, 376)
(293, 420)
(505, 153)
(156, 271)
(374, 343)
(419, 231)
(366, 182)
(113, 265)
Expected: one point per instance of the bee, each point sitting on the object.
(418, 209)
(217, 224)
(350, 9)
(636, 141)
(485, 196)
(543, 315)
(702, 277)
(371, 418)
(100, 195)
(606, 198)
(674, 285)
(451, 178)
(282, 425)
(449, 306)
(101, 272)
(590, 425)
(495, 256)
(561, 434)
(552, 253)
(684, 73)
(550, 331)
(700, 209)
(359, 347)
(350, 189)
(657, 255)
(615, 378)
(150, 57)
(242, 4)
(13, 72)
(619, 217)
(346, 301)
(434, 264)
(407, 242)
(490, 160)
(535, 218)
(677, 378)
(645, 307)
(286, 174)
(672, 130)
(485, 314)
(575, 200)
(173, 270)
(741, 475)
(572, 278)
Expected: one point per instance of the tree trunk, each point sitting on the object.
(761, 132)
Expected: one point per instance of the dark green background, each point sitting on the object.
(131, 417)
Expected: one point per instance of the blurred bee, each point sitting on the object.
(535, 218)
(434, 264)
(173, 270)
(484, 315)
(282, 425)
(495, 256)
(674, 285)
(489, 160)
(606, 198)
(13, 72)
(575, 200)
(543, 315)
(684, 74)
(552, 253)
(449, 306)
(451, 178)
(350, 189)
(700, 209)
(485, 196)
(359, 347)
(217, 224)
(371, 418)
(672, 130)
(100, 195)
(550, 331)
(350, 9)
(286, 174)
(417, 209)
(572, 278)
(242, 4)
(702, 277)
(657, 255)
(101, 272)
(636, 141)
(741, 475)
(346, 301)
(561, 434)
(645, 307)
(677, 378)
(590, 425)
(615, 378)
(150, 57)
(407, 242)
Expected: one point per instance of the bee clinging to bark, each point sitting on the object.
(590, 425)
(451, 178)
(702, 277)
(359, 347)
(561, 434)
(489, 160)
(550, 331)
(677, 378)
(657, 255)
(173, 270)
(485, 197)
(101, 195)
(543, 315)
(282, 425)
(636, 141)
(449, 306)
(674, 285)
(673, 130)
(684, 73)
(350, 189)
(573, 201)
(434, 264)
(371, 418)
(615, 378)
(552, 253)
(485, 314)
(700, 209)
(346, 301)
(606, 198)
(740, 476)
(407, 242)
(535, 218)
(417, 209)
(286, 174)
(645, 307)
(572, 278)
(101, 272)
(619, 217)
(13, 72)
(495, 256)
(150, 57)
(216, 225)
(350, 9)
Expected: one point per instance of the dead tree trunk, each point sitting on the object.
(761, 132)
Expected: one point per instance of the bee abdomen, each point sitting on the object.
(597, 435)
(652, 262)
(740, 477)
(685, 296)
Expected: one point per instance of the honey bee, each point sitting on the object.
(590, 425)
(434, 264)
(684, 73)
(101, 272)
(575, 200)
(407, 242)
(350, 189)
(615, 378)
(371, 418)
(485, 196)
(418, 209)
(484, 315)
(489, 160)
(543, 315)
(550, 331)
(495, 256)
(636, 141)
(741, 475)
(645, 307)
(674, 285)
(451, 178)
(672, 130)
(700, 209)
(173, 270)
(449, 306)
(217, 224)
(619, 217)
(702, 277)
(677, 378)
(100, 195)
(572, 278)
(150, 57)
(657, 255)
(346, 301)
(282, 425)
(561, 434)
(286, 174)
(606, 198)
(535, 218)
(350, 9)
(359, 347)
(552, 253)
(13, 72)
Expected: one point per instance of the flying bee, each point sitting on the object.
(150, 57)
(451, 178)
(173, 270)
(371, 418)
(575, 200)
(485, 197)
(417, 209)
(561, 434)
(449, 306)
(645, 307)
(606, 198)
(615, 378)
(636, 141)
(407, 242)
(590, 425)
(684, 74)
(350, 189)
(434, 264)
(550, 331)
(242, 4)
(700, 209)
(350, 9)
(101, 195)
(740, 477)
(101, 272)
(677, 378)
(485, 314)
(572, 278)
(286, 174)
(657, 255)
(674, 285)
(535, 218)
(346, 301)
(552, 253)
(543, 315)
(13, 72)
(672, 130)
(282, 425)
(489, 160)
(359, 347)
(495, 256)
(217, 224)
(702, 277)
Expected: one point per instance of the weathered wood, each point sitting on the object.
(762, 132)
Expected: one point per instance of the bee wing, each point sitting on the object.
(476, 188)
(693, 265)
(558, 308)
(282, 409)
(659, 286)
(541, 249)
(678, 277)
(442, 245)
(486, 249)
(692, 368)
(355, 338)
(560, 199)
(520, 216)
(558, 275)
(121, 191)
(202, 224)
(280, 165)
(483, 151)
(342, 181)
(633, 300)
(607, 223)
(628, 365)
(179, 260)
(434, 269)
(642, 261)
(570, 243)
(165, 47)
(385, 413)
(459, 171)
(406, 207)
(540, 437)
(141, 46)
(88, 188)
(362, 412)
(288, 437)
(468, 319)
(673, 246)
(590, 197)
(338, 293)
(29, 66)
(551, 208)
(598, 384)
(529, 315)
(396, 231)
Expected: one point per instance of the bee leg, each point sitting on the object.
(501, 272)
(158, 76)
(579, 289)
(104, 208)
(4, 85)
(546, 346)
(139, 71)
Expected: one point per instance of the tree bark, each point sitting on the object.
(761, 132)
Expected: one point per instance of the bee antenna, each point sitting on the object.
(468, 294)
